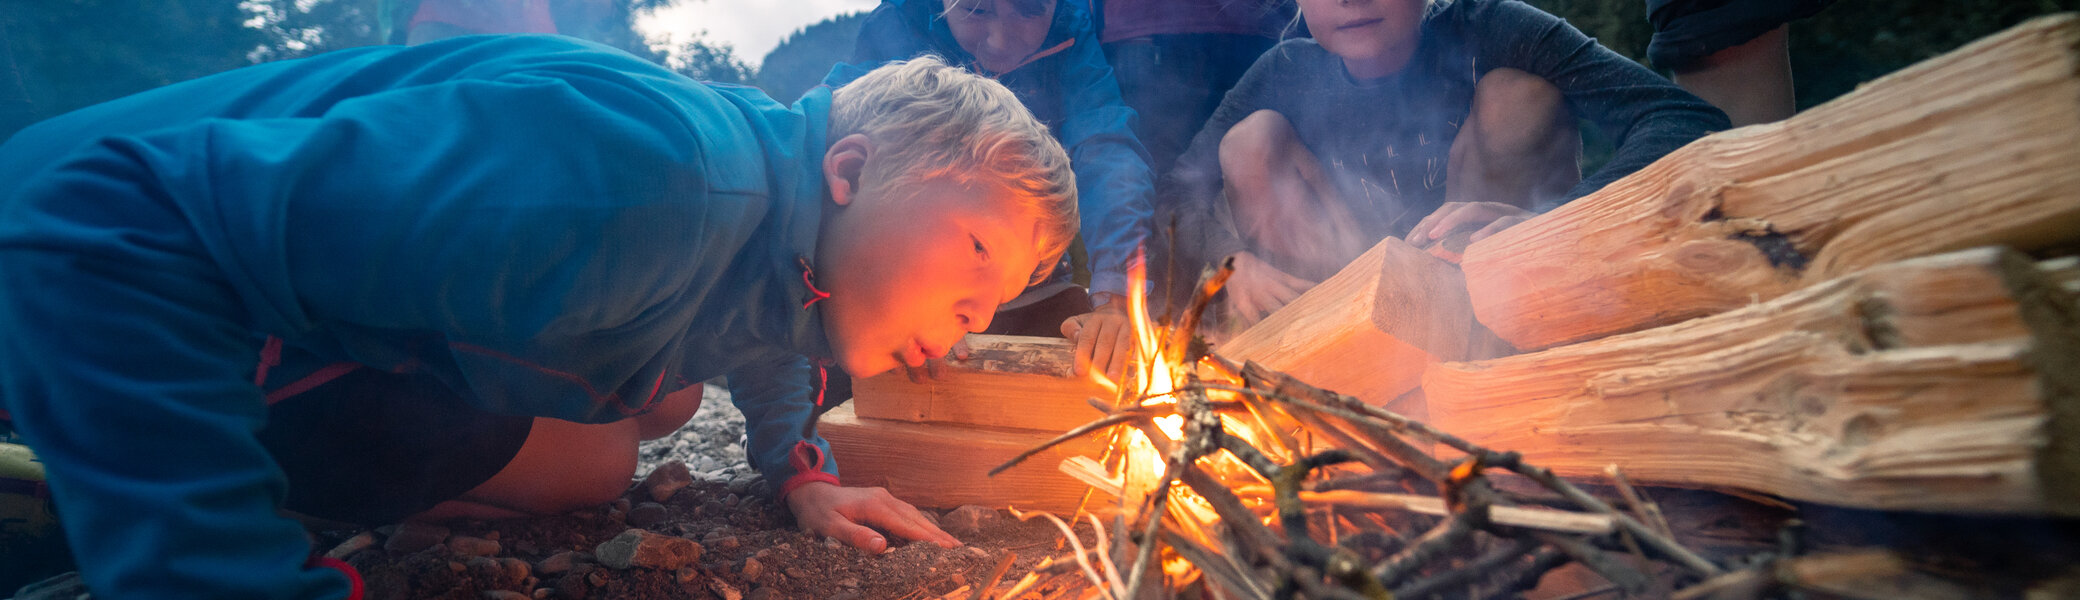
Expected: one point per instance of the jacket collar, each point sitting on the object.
(798, 207)
(1069, 15)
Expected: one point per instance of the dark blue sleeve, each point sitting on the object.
(1114, 186)
(139, 268)
(1645, 113)
(778, 397)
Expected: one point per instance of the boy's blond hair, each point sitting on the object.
(930, 121)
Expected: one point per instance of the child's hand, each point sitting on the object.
(844, 513)
(1104, 339)
(935, 368)
(1486, 218)
(1257, 289)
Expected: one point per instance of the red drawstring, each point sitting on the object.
(353, 576)
(809, 279)
(270, 355)
(807, 460)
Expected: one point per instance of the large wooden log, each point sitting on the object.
(1943, 383)
(1976, 147)
(1007, 381)
(947, 466)
(1371, 329)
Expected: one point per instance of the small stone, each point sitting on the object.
(845, 596)
(387, 530)
(849, 583)
(558, 563)
(752, 569)
(360, 541)
(502, 595)
(596, 578)
(724, 591)
(463, 545)
(732, 500)
(490, 535)
(543, 593)
(486, 569)
(665, 480)
(646, 515)
(413, 536)
(517, 571)
(457, 566)
(618, 516)
(686, 574)
(764, 593)
(978, 552)
(795, 573)
(639, 548)
(621, 504)
(525, 547)
(969, 520)
(831, 542)
(726, 541)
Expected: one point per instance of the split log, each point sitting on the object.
(1972, 148)
(1007, 381)
(1942, 383)
(1370, 330)
(945, 466)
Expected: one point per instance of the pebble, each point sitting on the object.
(503, 595)
(646, 515)
(517, 571)
(795, 573)
(487, 569)
(724, 541)
(526, 547)
(413, 536)
(969, 520)
(639, 548)
(665, 480)
(831, 542)
(621, 504)
(457, 566)
(978, 552)
(596, 578)
(573, 586)
(849, 583)
(543, 593)
(618, 516)
(464, 545)
(558, 563)
(845, 596)
(490, 535)
(359, 542)
(686, 574)
(764, 593)
(752, 569)
(724, 590)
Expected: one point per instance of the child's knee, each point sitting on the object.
(1253, 143)
(1517, 114)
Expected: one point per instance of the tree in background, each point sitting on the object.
(801, 60)
(56, 56)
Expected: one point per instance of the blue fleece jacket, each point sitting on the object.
(1068, 86)
(552, 227)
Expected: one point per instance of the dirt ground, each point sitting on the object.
(748, 547)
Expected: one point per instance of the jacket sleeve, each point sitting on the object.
(1114, 186)
(1192, 198)
(1645, 113)
(129, 365)
(778, 398)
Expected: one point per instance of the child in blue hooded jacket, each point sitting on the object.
(1047, 52)
(531, 226)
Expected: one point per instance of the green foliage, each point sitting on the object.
(56, 56)
(60, 55)
(801, 60)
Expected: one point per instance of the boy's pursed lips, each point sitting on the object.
(1360, 23)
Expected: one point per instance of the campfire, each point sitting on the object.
(1255, 485)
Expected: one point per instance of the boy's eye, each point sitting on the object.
(979, 250)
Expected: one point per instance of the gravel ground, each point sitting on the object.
(711, 444)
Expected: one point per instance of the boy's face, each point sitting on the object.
(1373, 37)
(908, 276)
(996, 32)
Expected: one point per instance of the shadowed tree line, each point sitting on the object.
(59, 55)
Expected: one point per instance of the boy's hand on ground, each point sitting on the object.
(1257, 289)
(846, 512)
(1104, 339)
(935, 368)
(1485, 218)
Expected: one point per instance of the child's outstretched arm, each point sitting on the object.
(1115, 191)
(778, 397)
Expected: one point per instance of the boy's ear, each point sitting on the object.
(843, 164)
